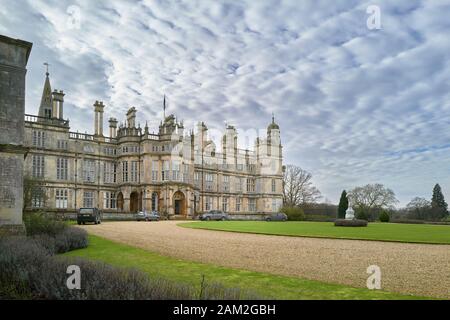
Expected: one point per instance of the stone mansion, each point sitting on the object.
(175, 172)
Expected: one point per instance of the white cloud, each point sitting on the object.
(355, 106)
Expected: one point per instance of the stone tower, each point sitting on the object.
(14, 55)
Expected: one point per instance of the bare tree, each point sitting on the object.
(372, 196)
(32, 187)
(298, 188)
(419, 208)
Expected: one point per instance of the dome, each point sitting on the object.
(273, 125)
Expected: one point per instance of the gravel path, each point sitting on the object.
(419, 269)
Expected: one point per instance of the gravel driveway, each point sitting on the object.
(419, 269)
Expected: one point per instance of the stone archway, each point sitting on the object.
(120, 201)
(134, 202)
(179, 203)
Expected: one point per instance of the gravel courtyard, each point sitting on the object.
(419, 269)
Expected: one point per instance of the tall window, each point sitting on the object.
(154, 201)
(238, 184)
(208, 203)
(155, 169)
(134, 171)
(252, 205)
(165, 171)
(238, 204)
(209, 178)
(274, 205)
(274, 185)
(38, 166)
(224, 204)
(176, 170)
(37, 198)
(125, 171)
(89, 170)
(61, 198)
(250, 185)
(61, 168)
(108, 172)
(109, 200)
(226, 183)
(88, 199)
(39, 139)
(186, 173)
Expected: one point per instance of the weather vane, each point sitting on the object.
(46, 64)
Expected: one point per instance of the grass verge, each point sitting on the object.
(410, 233)
(261, 284)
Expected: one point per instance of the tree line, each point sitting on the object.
(370, 202)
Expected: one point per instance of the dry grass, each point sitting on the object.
(418, 269)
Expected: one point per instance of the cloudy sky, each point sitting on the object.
(355, 105)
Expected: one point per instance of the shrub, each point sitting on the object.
(29, 271)
(70, 239)
(361, 214)
(41, 223)
(350, 223)
(294, 213)
(384, 216)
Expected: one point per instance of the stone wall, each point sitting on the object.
(13, 60)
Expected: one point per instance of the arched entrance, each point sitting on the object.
(179, 203)
(120, 201)
(134, 202)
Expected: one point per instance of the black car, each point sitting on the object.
(214, 215)
(89, 215)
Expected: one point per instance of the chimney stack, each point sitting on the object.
(98, 124)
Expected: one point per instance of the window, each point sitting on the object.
(240, 166)
(252, 205)
(238, 204)
(238, 184)
(208, 203)
(109, 200)
(88, 148)
(88, 199)
(125, 171)
(61, 198)
(109, 151)
(38, 198)
(61, 144)
(38, 166)
(39, 139)
(89, 170)
(226, 183)
(209, 181)
(155, 169)
(166, 170)
(176, 170)
(185, 172)
(224, 204)
(250, 185)
(61, 168)
(274, 205)
(47, 113)
(196, 177)
(134, 171)
(274, 185)
(154, 201)
(109, 172)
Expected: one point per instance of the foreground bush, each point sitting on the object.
(40, 223)
(30, 271)
(294, 213)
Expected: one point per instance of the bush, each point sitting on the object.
(361, 214)
(384, 216)
(29, 271)
(294, 213)
(71, 239)
(40, 223)
(350, 223)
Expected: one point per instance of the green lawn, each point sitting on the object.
(416, 233)
(262, 284)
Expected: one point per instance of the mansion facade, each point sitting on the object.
(175, 172)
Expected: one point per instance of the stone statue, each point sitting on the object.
(350, 213)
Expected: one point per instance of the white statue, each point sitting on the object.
(350, 213)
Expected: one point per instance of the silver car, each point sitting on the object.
(214, 215)
(145, 216)
(278, 216)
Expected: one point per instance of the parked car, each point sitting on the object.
(145, 216)
(278, 216)
(214, 215)
(89, 215)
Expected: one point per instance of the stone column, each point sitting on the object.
(14, 55)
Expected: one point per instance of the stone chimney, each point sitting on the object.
(98, 120)
(112, 127)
